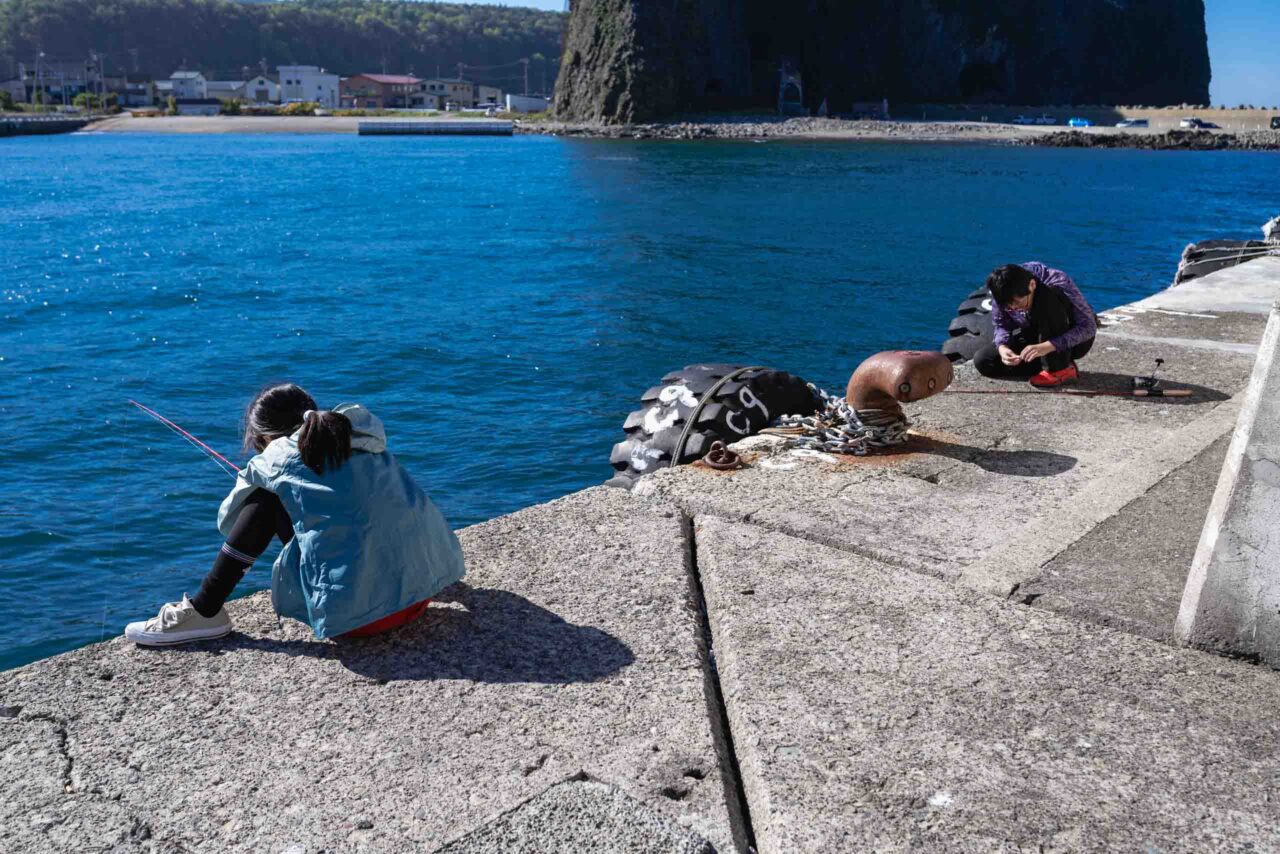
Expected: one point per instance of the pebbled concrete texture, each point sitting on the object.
(878, 709)
(1129, 571)
(1249, 288)
(572, 817)
(570, 649)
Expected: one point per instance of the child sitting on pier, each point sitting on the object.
(364, 548)
(1041, 323)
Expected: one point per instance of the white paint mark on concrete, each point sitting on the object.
(809, 454)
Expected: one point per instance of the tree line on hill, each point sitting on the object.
(345, 36)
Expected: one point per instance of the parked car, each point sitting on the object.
(1046, 119)
(1023, 120)
(1275, 122)
(1133, 123)
(1193, 123)
(1079, 123)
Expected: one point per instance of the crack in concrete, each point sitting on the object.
(718, 714)
(60, 730)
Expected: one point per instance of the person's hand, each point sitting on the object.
(1037, 351)
(1007, 355)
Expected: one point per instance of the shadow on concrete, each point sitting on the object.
(1101, 381)
(1021, 463)
(480, 635)
(1104, 381)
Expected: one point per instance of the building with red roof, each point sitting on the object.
(378, 91)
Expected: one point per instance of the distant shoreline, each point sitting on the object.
(753, 128)
(745, 128)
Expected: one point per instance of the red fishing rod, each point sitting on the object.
(223, 463)
(1078, 392)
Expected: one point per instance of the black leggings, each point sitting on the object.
(1051, 315)
(262, 517)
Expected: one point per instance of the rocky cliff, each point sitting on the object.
(637, 60)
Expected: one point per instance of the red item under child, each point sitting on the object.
(393, 621)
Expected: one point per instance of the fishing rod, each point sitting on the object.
(1078, 392)
(223, 463)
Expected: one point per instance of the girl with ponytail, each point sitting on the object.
(364, 549)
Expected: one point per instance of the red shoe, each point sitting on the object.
(1053, 379)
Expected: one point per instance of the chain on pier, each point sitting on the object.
(840, 429)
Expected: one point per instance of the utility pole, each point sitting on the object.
(459, 71)
(525, 63)
(133, 55)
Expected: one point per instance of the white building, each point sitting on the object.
(188, 85)
(527, 104)
(260, 90)
(308, 83)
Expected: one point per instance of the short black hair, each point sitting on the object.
(1009, 282)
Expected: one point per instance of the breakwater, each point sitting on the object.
(809, 653)
(1174, 140)
(33, 125)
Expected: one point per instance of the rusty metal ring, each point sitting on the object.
(720, 457)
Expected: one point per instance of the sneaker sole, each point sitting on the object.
(148, 639)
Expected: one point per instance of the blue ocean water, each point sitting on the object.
(500, 303)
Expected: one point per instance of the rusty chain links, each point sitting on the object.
(840, 429)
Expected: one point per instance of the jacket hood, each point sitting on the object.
(367, 433)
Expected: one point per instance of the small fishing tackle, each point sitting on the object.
(223, 463)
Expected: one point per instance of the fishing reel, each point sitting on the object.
(1148, 383)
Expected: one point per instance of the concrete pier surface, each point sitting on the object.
(962, 646)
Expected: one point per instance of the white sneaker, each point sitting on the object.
(178, 622)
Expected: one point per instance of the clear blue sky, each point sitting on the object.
(1244, 48)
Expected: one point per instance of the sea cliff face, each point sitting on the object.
(638, 60)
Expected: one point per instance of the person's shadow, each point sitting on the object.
(472, 633)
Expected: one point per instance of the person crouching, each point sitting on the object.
(1041, 322)
(364, 549)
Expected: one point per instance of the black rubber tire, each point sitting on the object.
(971, 328)
(740, 408)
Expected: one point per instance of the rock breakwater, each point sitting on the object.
(1174, 140)
(771, 128)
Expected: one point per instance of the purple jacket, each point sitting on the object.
(1005, 321)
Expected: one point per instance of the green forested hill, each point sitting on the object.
(345, 36)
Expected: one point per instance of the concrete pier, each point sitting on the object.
(11, 125)
(961, 646)
(1232, 599)
(435, 127)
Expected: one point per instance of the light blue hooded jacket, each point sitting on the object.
(367, 542)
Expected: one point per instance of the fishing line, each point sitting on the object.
(225, 464)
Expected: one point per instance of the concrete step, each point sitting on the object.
(1129, 572)
(570, 649)
(877, 709)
